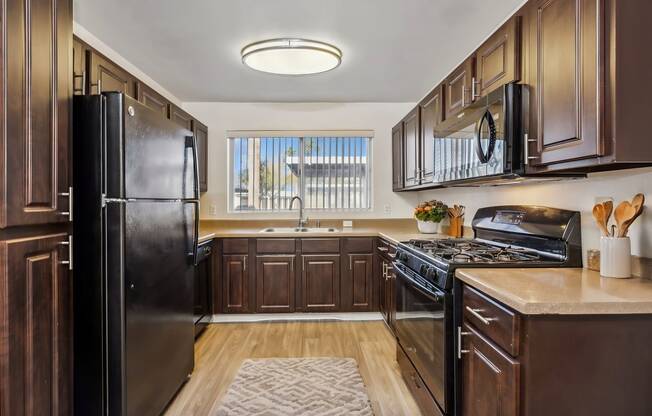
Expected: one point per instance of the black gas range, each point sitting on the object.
(426, 301)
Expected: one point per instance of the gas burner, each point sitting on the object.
(453, 250)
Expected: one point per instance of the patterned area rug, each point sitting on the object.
(297, 386)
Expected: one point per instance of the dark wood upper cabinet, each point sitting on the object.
(397, 157)
(357, 283)
(565, 79)
(320, 280)
(431, 114)
(36, 112)
(36, 309)
(235, 277)
(152, 99)
(411, 141)
(78, 66)
(489, 378)
(104, 75)
(458, 88)
(179, 116)
(275, 283)
(201, 135)
(498, 60)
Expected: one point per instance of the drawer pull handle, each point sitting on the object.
(383, 249)
(476, 313)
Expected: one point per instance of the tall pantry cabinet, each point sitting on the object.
(35, 207)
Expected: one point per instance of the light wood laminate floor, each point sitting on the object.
(222, 348)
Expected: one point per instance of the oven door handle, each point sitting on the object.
(437, 297)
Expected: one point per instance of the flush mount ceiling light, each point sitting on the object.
(290, 56)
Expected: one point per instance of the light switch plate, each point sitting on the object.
(212, 210)
(388, 209)
(347, 224)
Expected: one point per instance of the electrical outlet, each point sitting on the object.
(347, 223)
(388, 209)
(212, 210)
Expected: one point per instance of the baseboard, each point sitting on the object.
(289, 317)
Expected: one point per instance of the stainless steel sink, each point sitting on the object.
(298, 230)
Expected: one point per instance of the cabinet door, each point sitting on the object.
(275, 283)
(397, 157)
(104, 75)
(321, 283)
(179, 116)
(498, 59)
(411, 133)
(36, 111)
(235, 276)
(201, 135)
(458, 89)
(78, 67)
(357, 283)
(565, 77)
(152, 99)
(36, 331)
(489, 378)
(431, 115)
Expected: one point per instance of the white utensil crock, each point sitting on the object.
(427, 227)
(615, 257)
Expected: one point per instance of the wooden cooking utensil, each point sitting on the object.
(608, 209)
(623, 214)
(637, 202)
(599, 215)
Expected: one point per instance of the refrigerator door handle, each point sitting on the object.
(195, 243)
(195, 164)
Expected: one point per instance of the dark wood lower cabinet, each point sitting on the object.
(357, 283)
(275, 283)
(35, 327)
(490, 378)
(235, 276)
(320, 279)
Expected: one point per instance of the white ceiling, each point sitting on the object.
(393, 50)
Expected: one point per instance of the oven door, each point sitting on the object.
(424, 330)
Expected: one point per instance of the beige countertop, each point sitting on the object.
(392, 229)
(563, 291)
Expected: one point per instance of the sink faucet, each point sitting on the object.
(302, 221)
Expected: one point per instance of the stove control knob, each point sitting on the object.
(423, 270)
(431, 273)
(402, 256)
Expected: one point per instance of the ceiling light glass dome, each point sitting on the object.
(289, 56)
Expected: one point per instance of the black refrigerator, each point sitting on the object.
(135, 232)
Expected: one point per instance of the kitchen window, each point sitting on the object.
(328, 171)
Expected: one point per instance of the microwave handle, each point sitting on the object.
(484, 158)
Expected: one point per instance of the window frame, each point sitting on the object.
(301, 135)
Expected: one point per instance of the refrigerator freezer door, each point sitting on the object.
(158, 302)
(148, 156)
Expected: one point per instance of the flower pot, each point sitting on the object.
(615, 257)
(428, 227)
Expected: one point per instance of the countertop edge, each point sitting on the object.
(558, 308)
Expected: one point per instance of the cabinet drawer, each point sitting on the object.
(358, 245)
(235, 246)
(275, 245)
(385, 248)
(320, 245)
(416, 385)
(495, 321)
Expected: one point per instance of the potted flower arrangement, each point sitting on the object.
(429, 214)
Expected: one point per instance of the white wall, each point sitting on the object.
(379, 117)
(579, 195)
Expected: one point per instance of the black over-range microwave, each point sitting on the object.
(483, 145)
